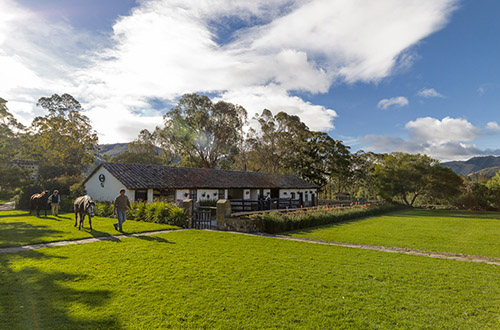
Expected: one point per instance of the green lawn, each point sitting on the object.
(19, 228)
(468, 232)
(204, 280)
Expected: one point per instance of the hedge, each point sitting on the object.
(158, 212)
(276, 222)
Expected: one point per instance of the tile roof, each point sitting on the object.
(138, 176)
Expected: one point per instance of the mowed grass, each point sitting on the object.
(468, 232)
(19, 228)
(212, 280)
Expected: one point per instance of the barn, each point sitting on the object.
(174, 184)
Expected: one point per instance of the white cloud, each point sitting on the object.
(430, 92)
(164, 49)
(445, 130)
(398, 101)
(446, 139)
(493, 125)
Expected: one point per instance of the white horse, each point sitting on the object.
(84, 205)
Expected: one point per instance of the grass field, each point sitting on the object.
(476, 233)
(19, 228)
(204, 280)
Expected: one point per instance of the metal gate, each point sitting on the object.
(201, 220)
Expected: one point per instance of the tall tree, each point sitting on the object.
(204, 134)
(146, 149)
(407, 177)
(285, 145)
(11, 135)
(64, 136)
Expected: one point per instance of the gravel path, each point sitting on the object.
(9, 206)
(81, 241)
(429, 254)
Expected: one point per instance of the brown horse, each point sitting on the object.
(39, 201)
(84, 205)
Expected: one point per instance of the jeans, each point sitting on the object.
(121, 215)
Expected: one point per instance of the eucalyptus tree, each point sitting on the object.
(203, 133)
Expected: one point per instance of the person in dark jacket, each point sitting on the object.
(122, 203)
(54, 201)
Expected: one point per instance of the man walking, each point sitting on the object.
(54, 201)
(120, 211)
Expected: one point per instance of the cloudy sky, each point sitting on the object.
(419, 76)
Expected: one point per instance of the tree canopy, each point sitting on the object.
(64, 135)
(204, 134)
(408, 177)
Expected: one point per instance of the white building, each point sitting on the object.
(174, 184)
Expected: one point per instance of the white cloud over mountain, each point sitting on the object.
(258, 54)
(446, 139)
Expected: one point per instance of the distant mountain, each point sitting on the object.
(475, 164)
(485, 173)
(112, 150)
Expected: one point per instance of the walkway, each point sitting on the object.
(9, 206)
(81, 241)
(416, 252)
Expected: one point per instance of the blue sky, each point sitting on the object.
(387, 75)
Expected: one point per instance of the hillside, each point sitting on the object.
(474, 164)
(112, 150)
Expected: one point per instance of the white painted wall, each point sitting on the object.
(108, 190)
(209, 194)
(246, 194)
(296, 191)
(254, 194)
(150, 195)
(180, 195)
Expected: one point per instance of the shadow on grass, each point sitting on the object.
(330, 225)
(34, 299)
(14, 215)
(466, 214)
(153, 239)
(22, 233)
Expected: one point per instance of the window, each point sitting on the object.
(222, 194)
(141, 195)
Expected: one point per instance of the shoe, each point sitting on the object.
(116, 227)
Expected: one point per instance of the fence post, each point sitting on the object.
(187, 206)
(223, 212)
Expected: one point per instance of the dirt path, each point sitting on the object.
(9, 206)
(81, 241)
(429, 254)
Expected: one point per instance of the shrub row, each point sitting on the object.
(158, 212)
(276, 222)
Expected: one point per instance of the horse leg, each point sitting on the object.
(82, 219)
(76, 217)
(90, 222)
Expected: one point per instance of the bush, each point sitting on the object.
(177, 217)
(104, 209)
(276, 222)
(158, 212)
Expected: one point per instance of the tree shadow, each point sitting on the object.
(22, 233)
(466, 214)
(34, 299)
(154, 239)
(14, 215)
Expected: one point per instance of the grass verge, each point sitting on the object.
(19, 228)
(467, 232)
(206, 280)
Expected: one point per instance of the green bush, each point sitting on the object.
(177, 217)
(276, 222)
(104, 209)
(158, 212)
